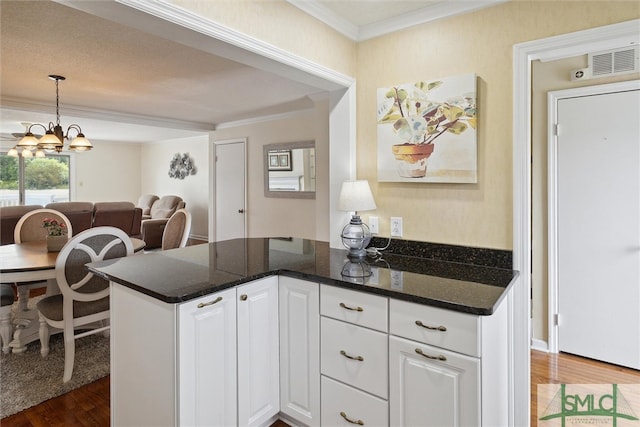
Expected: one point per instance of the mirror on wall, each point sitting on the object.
(290, 170)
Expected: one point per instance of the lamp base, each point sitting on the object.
(355, 237)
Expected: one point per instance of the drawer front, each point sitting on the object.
(354, 307)
(436, 326)
(345, 406)
(354, 355)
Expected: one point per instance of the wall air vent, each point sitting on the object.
(614, 62)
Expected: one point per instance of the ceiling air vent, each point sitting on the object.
(613, 62)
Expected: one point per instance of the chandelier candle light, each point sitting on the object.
(356, 196)
(53, 139)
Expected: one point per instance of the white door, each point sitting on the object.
(299, 304)
(207, 360)
(598, 217)
(229, 190)
(433, 387)
(258, 352)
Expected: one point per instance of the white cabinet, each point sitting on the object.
(431, 386)
(258, 350)
(354, 358)
(207, 360)
(447, 367)
(300, 350)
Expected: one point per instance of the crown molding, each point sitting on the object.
(421, 16)
(259, 119)
(105, 115)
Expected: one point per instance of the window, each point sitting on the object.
(34, 181)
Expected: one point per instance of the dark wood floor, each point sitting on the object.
(89, 405)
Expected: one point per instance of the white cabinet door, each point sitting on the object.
(207, 360)
(258, 352)
(432, 387)
(300, 350)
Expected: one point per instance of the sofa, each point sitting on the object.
(152, 226)
(82, 215)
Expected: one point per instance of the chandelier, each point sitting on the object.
(53, 139)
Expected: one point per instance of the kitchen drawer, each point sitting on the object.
(355, 307)
(354, 355)
(447, 329)
(340, 402)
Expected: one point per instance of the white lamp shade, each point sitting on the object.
(356, 196)
(80, 143)
(28, 141)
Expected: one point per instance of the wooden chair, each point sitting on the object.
(29, 229)
(176, 232)
(84, 298)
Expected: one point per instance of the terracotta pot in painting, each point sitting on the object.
(412, 159)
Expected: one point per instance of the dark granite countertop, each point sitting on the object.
(180, 275)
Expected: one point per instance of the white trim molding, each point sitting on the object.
(557, 47)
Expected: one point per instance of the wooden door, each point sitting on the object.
(598, 226)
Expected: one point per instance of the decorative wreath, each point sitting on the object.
(181, 166)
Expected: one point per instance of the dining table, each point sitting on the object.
(22, 264)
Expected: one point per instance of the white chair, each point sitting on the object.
(176, 232)
(84, 298)
(29, 229)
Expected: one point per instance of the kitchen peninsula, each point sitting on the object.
(244, 331)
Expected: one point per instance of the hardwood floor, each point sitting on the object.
(89, 405)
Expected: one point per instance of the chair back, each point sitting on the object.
(176, 232)
(165, 206)
(9, 217)
(29, 228)
(145, 202)
(76, 282)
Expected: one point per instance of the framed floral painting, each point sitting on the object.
(427, 131)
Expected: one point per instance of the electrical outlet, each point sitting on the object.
(396, 226)
(373, 224)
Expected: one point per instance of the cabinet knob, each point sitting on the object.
(243, 297)
(359, 422)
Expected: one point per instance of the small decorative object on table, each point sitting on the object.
(56, 234)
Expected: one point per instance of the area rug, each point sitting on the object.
(27, 379)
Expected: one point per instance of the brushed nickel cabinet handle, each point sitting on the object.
(428, 356)
(243, 297)
(433, 328)
(205, 304)
(348, 356)
(343, 305)
(359, 422)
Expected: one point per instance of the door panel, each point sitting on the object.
(230, 191)
(598, 227)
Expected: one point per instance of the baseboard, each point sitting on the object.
(539, 345)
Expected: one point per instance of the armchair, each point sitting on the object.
(145, 202)
(161, 210)
(123, 215)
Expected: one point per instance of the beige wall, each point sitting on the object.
(548, 76)
(109, 172)
(194, 189)
(280, 24)
(482, 42)
(284, 217)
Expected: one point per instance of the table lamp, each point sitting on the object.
(356, 196)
